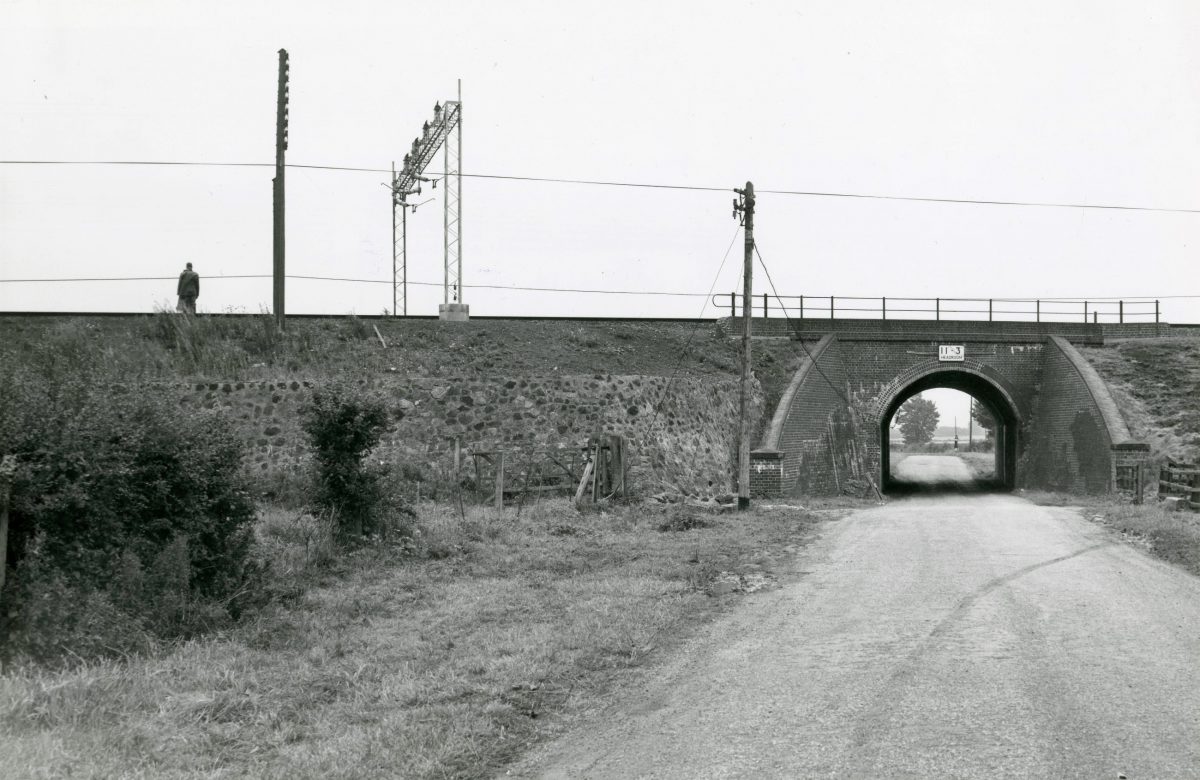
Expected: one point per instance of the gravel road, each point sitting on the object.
(933, 469)
(952, 636)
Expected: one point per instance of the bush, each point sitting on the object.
(344, 422)
(122, 502)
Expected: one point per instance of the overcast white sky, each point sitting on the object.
(1077, 102)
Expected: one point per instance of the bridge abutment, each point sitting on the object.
(1057, 427)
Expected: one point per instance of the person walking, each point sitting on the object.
(188, 291)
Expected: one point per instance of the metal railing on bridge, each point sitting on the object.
(982, 309)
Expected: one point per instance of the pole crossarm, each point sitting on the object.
(425, 146)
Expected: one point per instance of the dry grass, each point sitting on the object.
(242, 347)
(446, 666)
(1156, 384)
(246, 346)
(982, 464)
(1171, 536)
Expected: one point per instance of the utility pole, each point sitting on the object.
(745, 205)
(281, 142)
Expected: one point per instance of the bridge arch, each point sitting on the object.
(970, 377)
(1059, 428)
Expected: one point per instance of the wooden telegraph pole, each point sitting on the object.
(281, 142)
(745, 205)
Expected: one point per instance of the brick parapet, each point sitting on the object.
(766, 473)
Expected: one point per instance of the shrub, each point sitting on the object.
(121, 501)
(344, 422)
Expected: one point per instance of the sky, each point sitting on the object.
(1074, 102)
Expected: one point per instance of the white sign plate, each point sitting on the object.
(952, 352)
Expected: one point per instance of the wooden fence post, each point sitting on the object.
(616, 448)
(884, 307)
(8, 464)
(500, 481)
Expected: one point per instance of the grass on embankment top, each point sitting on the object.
(401, 667)
(1156, 384)
(168, 347)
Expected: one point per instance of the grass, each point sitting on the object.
(1156, 384)
(243, 347)
(448, 660)
(246, 346)
(1171, 536)
(982, 464)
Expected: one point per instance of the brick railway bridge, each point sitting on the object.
(1058, 427)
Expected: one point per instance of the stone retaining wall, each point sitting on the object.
(683, 438)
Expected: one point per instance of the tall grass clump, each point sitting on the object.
(344, 421)
(129, 518)
(220, 346)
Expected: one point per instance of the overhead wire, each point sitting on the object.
(517, 288)
(695, 326)
(799, 340)
(644, 185)
(816, 365)
(597, 291)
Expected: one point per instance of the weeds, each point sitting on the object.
(446, 664)
(1171, 536)
(682, 518)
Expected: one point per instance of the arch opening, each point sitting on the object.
(1004, 439)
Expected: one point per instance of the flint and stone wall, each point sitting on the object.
(689, 444)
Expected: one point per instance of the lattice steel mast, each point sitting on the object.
(445, 131)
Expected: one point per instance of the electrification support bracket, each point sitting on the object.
(444, 132)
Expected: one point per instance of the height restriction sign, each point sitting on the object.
(951, 352)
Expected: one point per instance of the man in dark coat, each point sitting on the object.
(189, 290)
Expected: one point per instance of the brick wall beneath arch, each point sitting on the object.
(829, 429)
